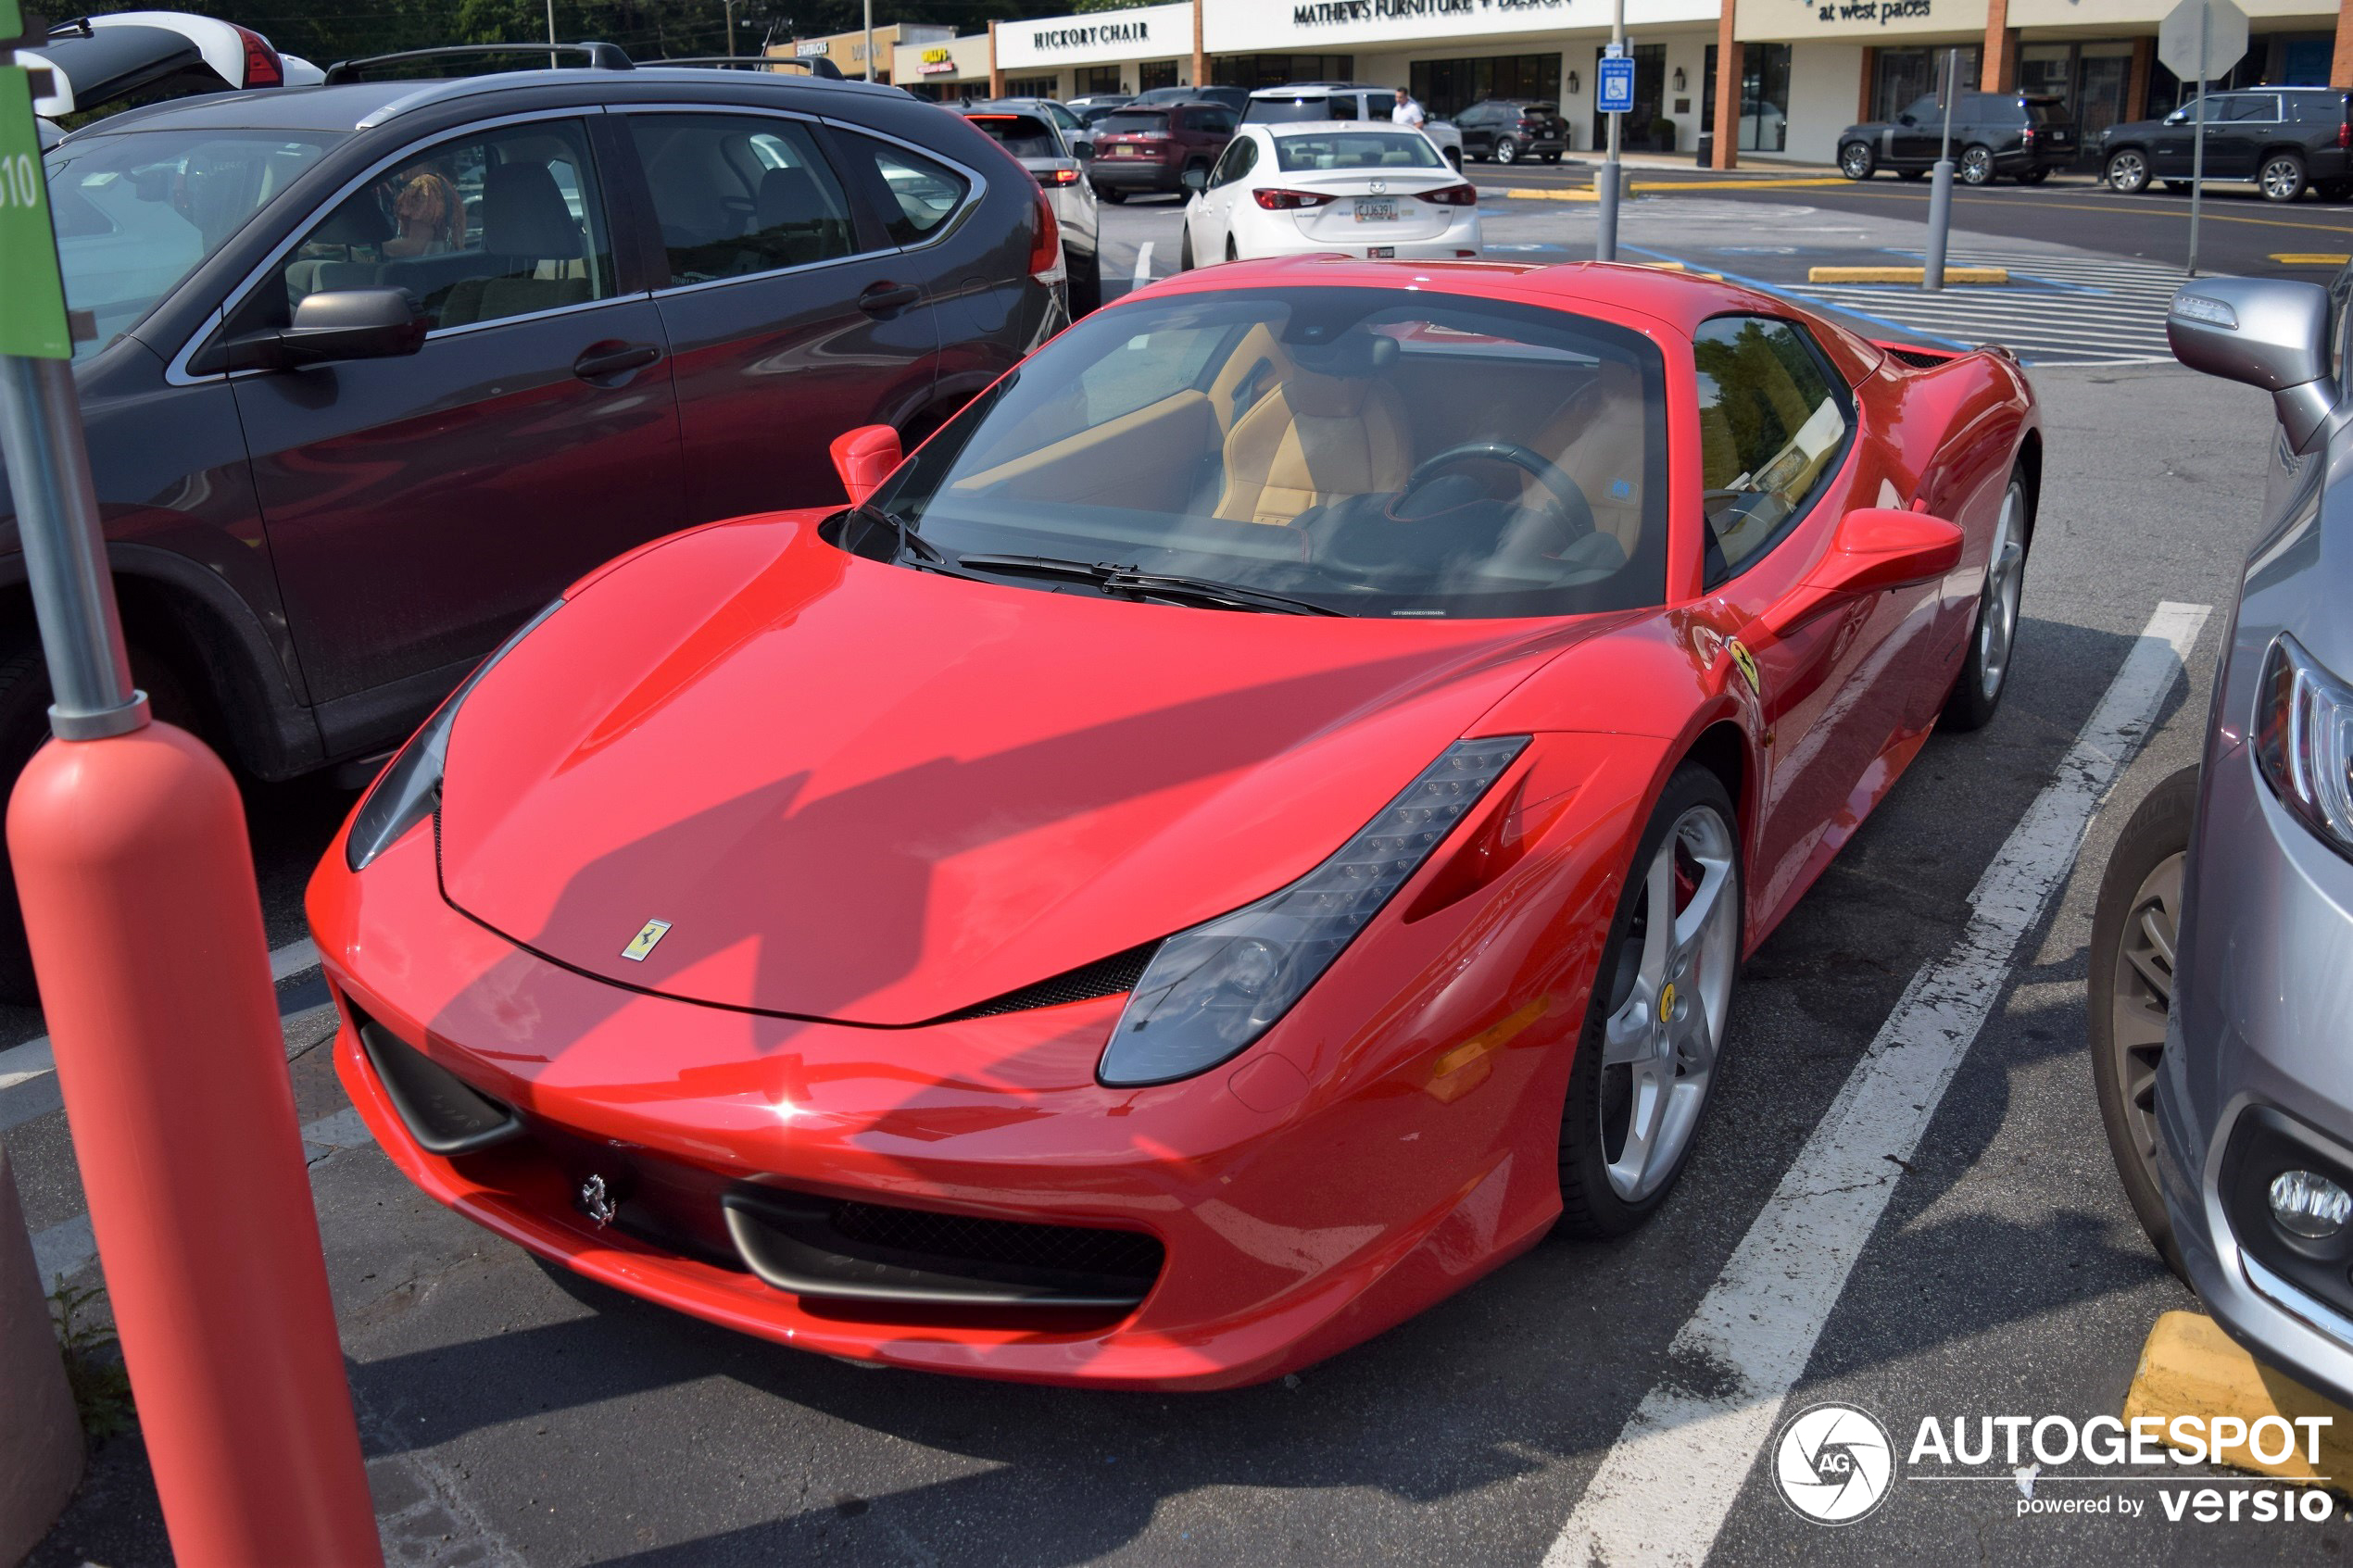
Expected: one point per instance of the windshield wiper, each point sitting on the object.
(1209, 593)
(905, 540)
(1044, 566)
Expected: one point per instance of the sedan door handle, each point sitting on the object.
(889, 299)
(611, 358)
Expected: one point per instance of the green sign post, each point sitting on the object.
(33, 293)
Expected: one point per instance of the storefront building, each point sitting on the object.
(848, 50)
(944, 68)
(1078, 57)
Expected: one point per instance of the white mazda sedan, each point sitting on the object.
(1357, 187)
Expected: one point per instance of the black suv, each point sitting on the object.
(1994, 133)
(2285, 139)
(1508, 130)
(382, 366)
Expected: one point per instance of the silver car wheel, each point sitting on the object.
(1854, 160)
(1997, 609)
(2283, 180)
(2144, 992)
(2127, 172)
(1977, 167)
(1661, 1038)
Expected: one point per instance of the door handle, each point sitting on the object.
(611, 358)
(889, 299)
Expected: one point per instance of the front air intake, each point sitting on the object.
(442, 1111)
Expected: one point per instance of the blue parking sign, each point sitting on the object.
(1617, 87)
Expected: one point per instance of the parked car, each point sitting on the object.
(1508, 130)
(1064, 119)
(2285, 139)
(2024, 134)
(1345, 100)
(1096, 104)
(1148, 148)
(1023, 129)
(1234, 98)
(1412, 776)
(108, 62)
(2225, 929)
(380, 366)
(1304, 187)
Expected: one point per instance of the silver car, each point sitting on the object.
(2221, 965)
(1031, 129)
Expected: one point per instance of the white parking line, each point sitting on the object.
(1663, 1490)
(1143, 273)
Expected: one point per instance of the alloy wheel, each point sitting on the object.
(1997, 615)
(1667, 1004)
(1506, 150)
(1855, 161)
(2127, 172)
(1977, 167)
(2144, 992)
(2283, 180)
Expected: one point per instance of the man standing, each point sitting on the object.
(1407, 112)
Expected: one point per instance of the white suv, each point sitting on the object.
(1343, 100)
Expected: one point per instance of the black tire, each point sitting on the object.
(1976, 165)
(1231, 254)
(2126, 171)
(1112, 194)
(2035, 177)
(2334, 190)
(2133, 930)
(1911, 174)
(1552, 157)
(1971, 706)
(1185, 251)
(1857, 160)
(2177, 187)
(1086, 270)
(1506, 150)
(1589, 1205)
(2280, 176)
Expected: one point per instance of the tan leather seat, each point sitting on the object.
(1317, 438)
(1599, 441)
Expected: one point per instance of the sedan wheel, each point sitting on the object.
(1506, 150)
(2128, 172)
(1977, 166)
(1986, 671)
(2283, 178)
(1655, 1022)
(1855, 160)
(2134, 931)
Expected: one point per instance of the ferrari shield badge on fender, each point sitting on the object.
(1747, 661)
(647, 935)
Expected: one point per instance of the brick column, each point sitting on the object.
(2136, 86)
(1200, 55)
(1999, 60)
(2341, 67)
(995, 72)
(1726, 110)
(1863, 88)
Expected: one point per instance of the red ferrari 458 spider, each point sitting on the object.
(1250, 826)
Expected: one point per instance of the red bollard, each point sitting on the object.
(138, 889)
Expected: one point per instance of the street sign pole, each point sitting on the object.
(1939, 190)
(2199, 41)
(1606, 183)
(2197, 136)
(128, 843)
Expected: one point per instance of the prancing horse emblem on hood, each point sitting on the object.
(643, 943)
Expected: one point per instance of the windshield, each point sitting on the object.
(1020, 134)
(1308, 153)
(1129, 122)
(1373, 452)
(139, 211)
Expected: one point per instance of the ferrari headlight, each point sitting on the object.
(2303, 741)
(405, 792)
(1209, 992)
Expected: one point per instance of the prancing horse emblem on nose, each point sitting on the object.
(595, 1202)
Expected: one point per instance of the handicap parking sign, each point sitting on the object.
(1617, 87)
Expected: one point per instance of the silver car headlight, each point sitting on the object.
(1209, 992)
(2303, 734)
(407, 793)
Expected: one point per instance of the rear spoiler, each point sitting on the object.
(1921, 359)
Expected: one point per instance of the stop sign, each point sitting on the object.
(2177, 39)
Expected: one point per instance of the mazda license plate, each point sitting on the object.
(1377, 210)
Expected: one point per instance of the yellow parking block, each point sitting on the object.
(1736, 184)
(2309, 259)
(1680, 267)
(2191, 1367)
(1905, 274)
(1543, 194)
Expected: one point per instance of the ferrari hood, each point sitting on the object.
(860, 792)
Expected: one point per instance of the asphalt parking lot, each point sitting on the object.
(515, 1415)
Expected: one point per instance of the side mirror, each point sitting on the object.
(1082, 150)
(1875, 548)
(2266, 332)
(1905, 119)
(1196, 178)
(2179, 117)
(863, 458)
(372, 324)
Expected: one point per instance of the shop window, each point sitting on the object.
(1253, 71)
(1038, 87)
(1155, 73)
(1091, 79)
(1901, 75)
(1448, 87)
(1642, 127)
(1764, 123)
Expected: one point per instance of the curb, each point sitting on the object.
(1905, 274)
(2190, 1367)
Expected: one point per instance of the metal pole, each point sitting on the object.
(1607, 181)
(1940, 189)
(551, 34)
(870, 41)
(731, 27)
(65, 561)
(2197, 143)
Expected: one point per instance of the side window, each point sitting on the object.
(2255, 107)
(1922, 110)
(1770, 424)
(737, 194)
(1240, 156)
(913, 195)
(1213, 122)
(506, 222)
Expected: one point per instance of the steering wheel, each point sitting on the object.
(1576, 512)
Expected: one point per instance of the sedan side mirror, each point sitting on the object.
(863, 458)
(2266, 332)
(1196, 178)
(372, 324)
(1875, 548)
